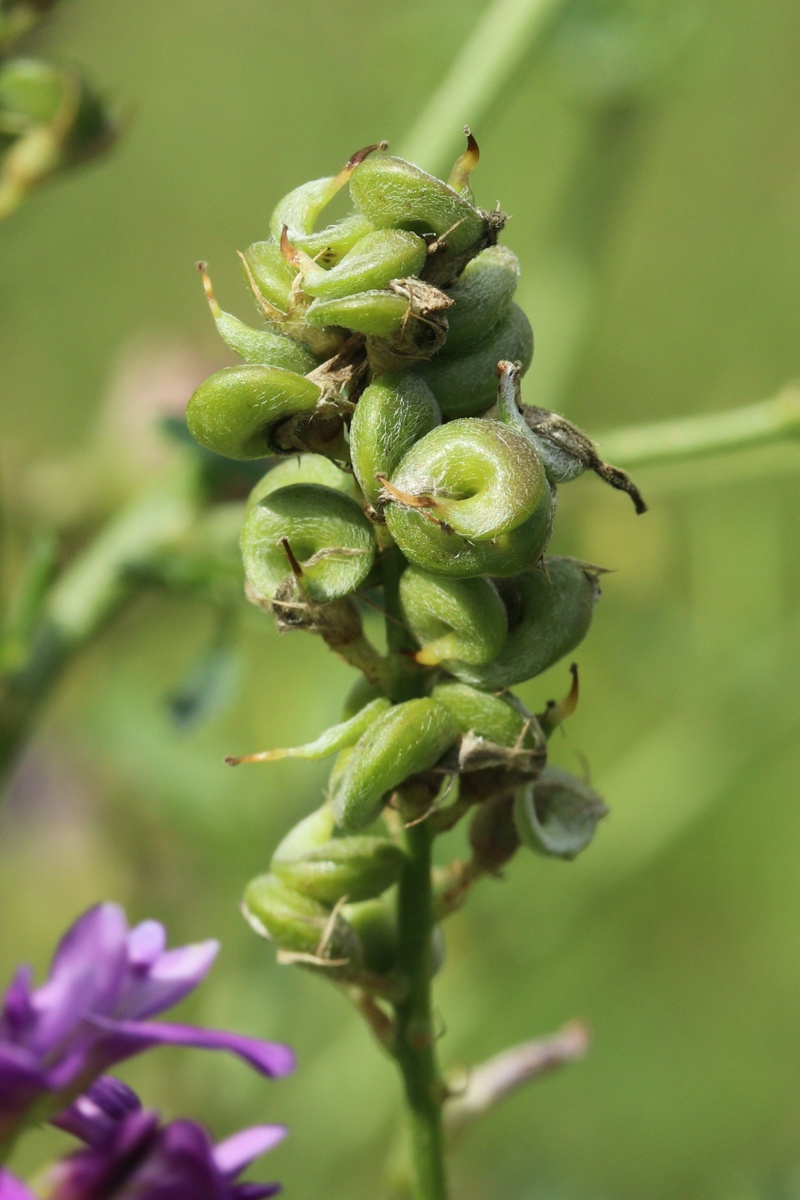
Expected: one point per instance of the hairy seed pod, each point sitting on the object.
(481, 296)
(360, 868)
(375, 260)
(314, 830)
(301, 925)
(466, 384)
(396, 194)
(393, 413)
(558, 814)
(313, 533)
(257, 345)
(300, 210)
(497, 718)
(462, 619)
(265, 266)
(374, 923)
(346, 733)
(470, 498)
(240, 412)
(549, 613)
(411, 737)
(305, 468)
(378, 312)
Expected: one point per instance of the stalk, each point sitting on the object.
(414, 1043)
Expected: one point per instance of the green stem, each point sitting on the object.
(500, 43)
(415, 1037)
(88, 592)
(669, 442)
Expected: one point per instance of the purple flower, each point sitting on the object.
(105, 981)
(136, 1156)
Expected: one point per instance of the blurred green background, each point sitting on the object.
(647, 154)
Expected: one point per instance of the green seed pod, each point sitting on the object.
(301, 925)
(374, 923)
(314, 830)
(373, 312)
(300, 210)
(374, 261)
(251, 411)
(306, 544)
(305, 468)
(466, 385)
(481, 296)
(549, 613)
(265, 267)
(470, 498)
(330, 742)
(493, 717)
(557, 815)
(462, 619)
(257, 345)
(411, 737)
(313, 533)
(393, 413)
(357, 867)
(396, 194)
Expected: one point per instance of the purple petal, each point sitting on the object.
(86, 976)
(21, 1081)
(146, 941)
(94, 1116)
(125, 1038)
(12, 1188)
(160, 982)
(238, 1151)
(18, 1013)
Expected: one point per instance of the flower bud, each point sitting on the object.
(393, 413)
(360, 868)
(301, 925)
(466, 384)
(549, 612)
(252, 411)
(312, 533)
(557, 814)
(411, 737)
(481, 296)
(462, 619)
(470, 498)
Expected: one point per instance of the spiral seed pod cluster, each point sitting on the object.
(387, 377)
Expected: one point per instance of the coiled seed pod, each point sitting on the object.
(257, 345)
(312, 533)
(252, 411)
(393, 413)
(373, 311)
(501, 720)
(300, 209)
(374, 261)
(481, 296)
(265, 267)
(466, 384)
(346, 733)
(393, 193)
(470, 498)
(411, 737)
(462, 619)
(374, 923)
(549, 613)
(305, 468)
(358, 867)
(314, 830)
(301, 925)
(558, 814)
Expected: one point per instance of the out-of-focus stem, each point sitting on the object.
(668, 442)
(414, 1046)
(505, 35)
(89, 591)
